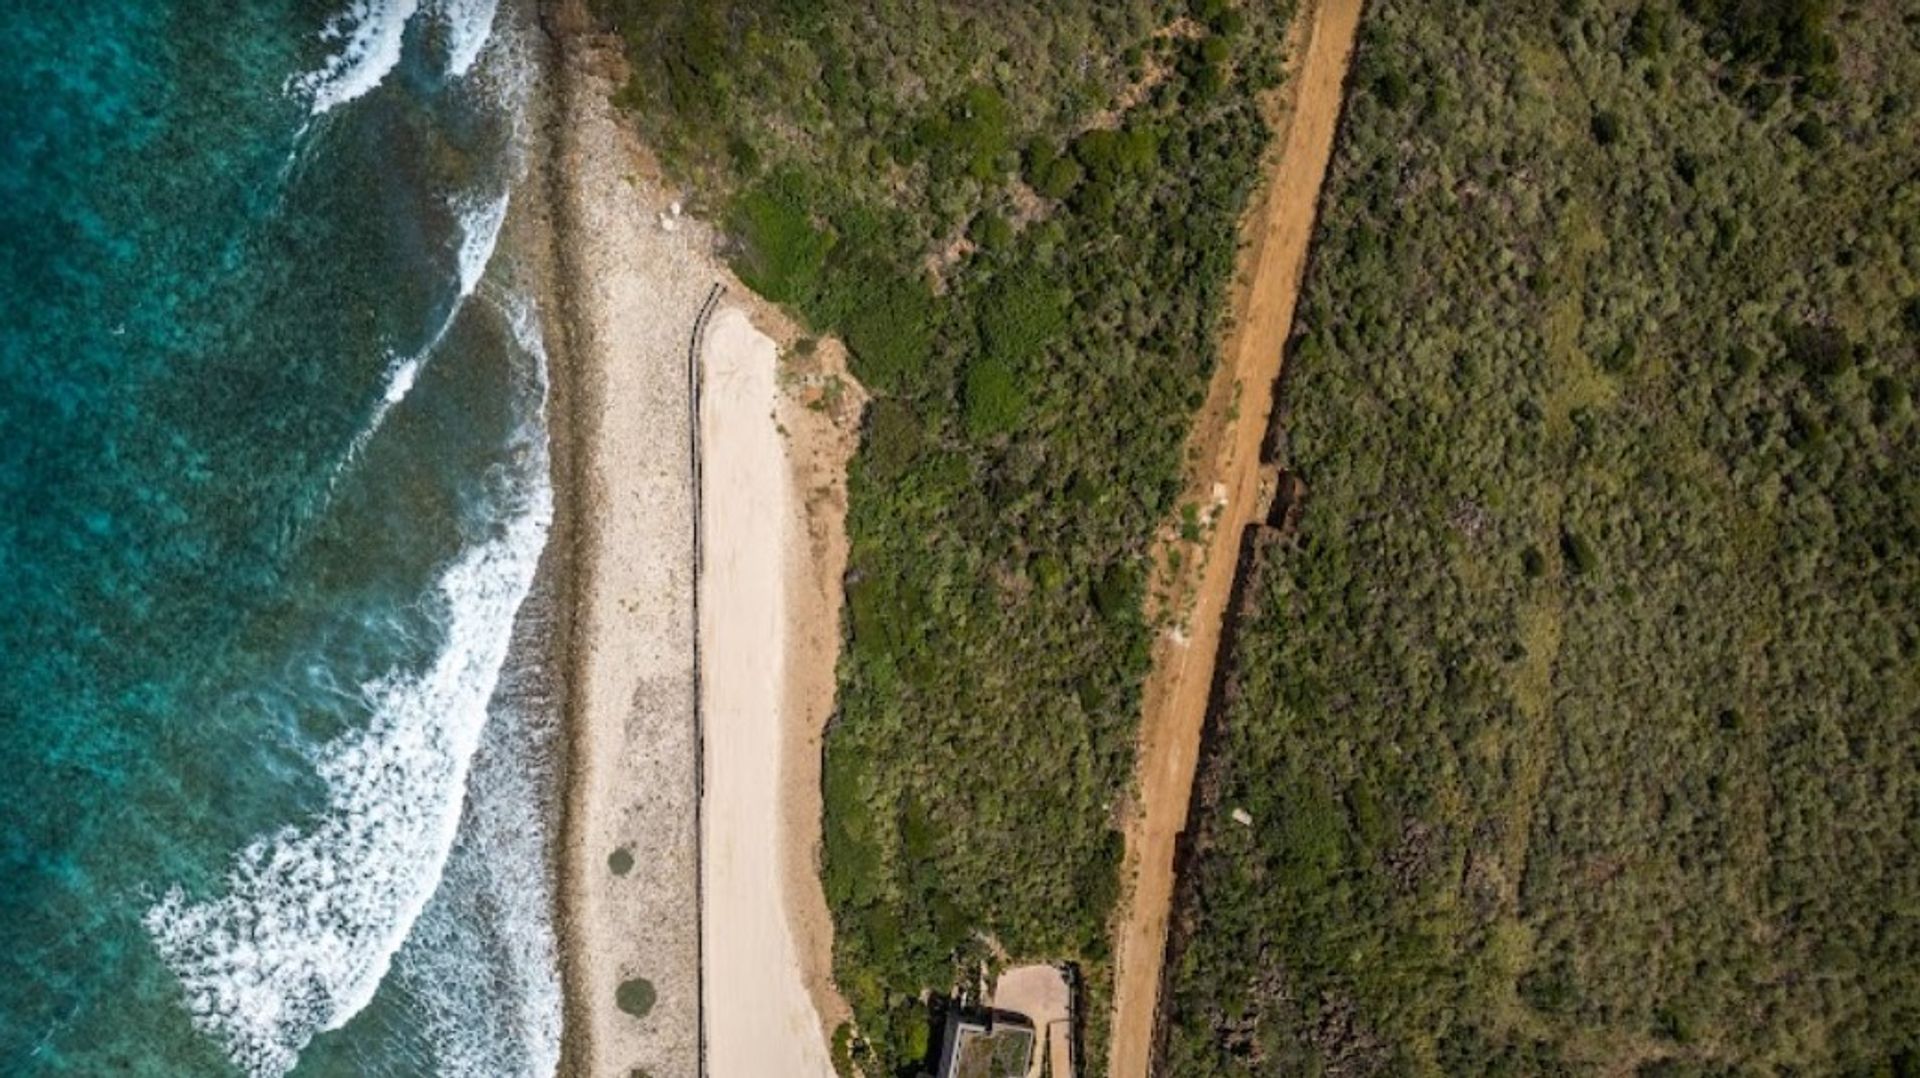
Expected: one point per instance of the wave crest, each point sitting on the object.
(469, 24)
(311, 919)
(371, 33)
(371, 36)
(479, 234)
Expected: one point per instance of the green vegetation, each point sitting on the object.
(636, 996)
(1786, 39)
(1579, 722)
(1022, 220)
(1004, 1053)
(781, 253)
(620, 861)
(842, 1050)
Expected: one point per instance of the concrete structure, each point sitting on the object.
(985, 1044)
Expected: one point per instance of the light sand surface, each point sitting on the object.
(631, 277)
(1224, 470)
(629, 294)
(1041, 994)
(761, 1020)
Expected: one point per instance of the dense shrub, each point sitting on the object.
(1060, 177)
(1031, 396)
(993, 398)
(1785, 37)
(1644, 798)
(972, 134)
(893, 441)
(889, 323)
(1606, 128)
(781, 252)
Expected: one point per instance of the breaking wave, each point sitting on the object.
(482, 963)
(370, 34)
(369, 38)
(313, 916)
(479, 234)
(469, 24)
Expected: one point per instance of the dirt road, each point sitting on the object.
(1224, 472)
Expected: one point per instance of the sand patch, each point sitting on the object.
(760, 1019)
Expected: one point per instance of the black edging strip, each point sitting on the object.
(694, 382)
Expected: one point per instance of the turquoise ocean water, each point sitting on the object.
(273, 484)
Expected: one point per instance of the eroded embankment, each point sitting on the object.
(1225, 474)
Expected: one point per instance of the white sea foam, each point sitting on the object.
(479, 234)
(482, 963)
(469, 24)
(312, 916)
(400, 380)
(370, 34)
(480, 223)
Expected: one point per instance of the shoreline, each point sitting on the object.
(532, 234)
(538, 230)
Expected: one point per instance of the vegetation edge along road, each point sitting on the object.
(1226, 446)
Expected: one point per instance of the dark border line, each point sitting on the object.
(694, 385)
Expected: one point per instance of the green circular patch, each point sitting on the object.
(620, 861)
(635, 997)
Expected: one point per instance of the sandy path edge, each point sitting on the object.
(820, 412)
(1225, 443)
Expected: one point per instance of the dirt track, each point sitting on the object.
(1224, 459)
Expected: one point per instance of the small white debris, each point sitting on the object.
(674, 208)
(1243, 817)
(668, 224)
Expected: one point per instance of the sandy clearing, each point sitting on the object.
(1224, 458)
(1042, 995)
(760, 1018)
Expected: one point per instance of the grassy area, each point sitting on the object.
(1001, 1054)
(1579, 722)
(1021, 218)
